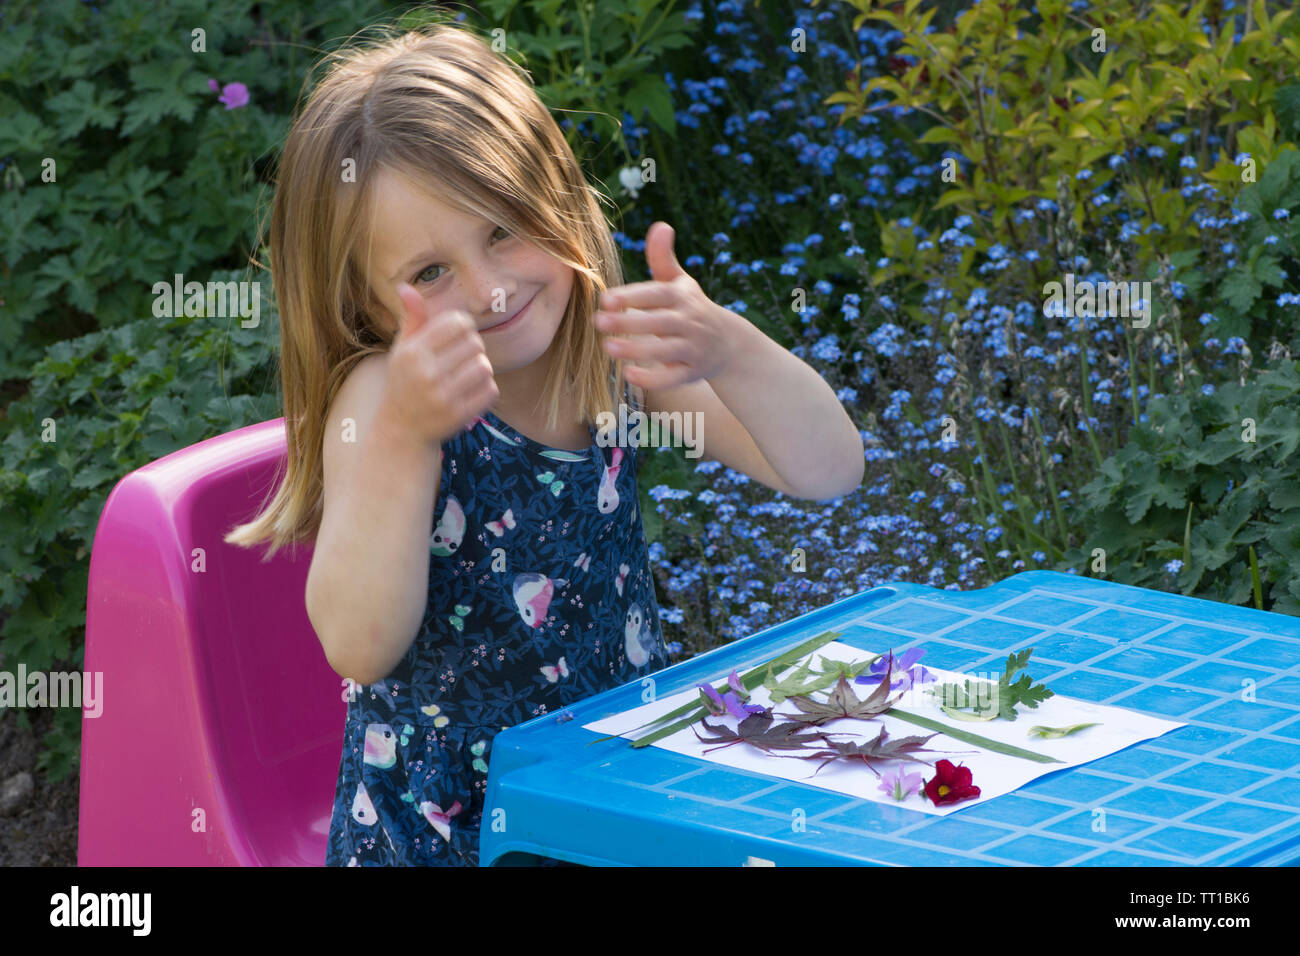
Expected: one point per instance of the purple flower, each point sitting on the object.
(731, 703)
(901, 785)
(904, 668)
(234, 95)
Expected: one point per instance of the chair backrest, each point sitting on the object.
(217, 696)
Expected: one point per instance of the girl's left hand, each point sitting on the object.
(672, 321)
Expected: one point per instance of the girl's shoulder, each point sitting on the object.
(358, 398)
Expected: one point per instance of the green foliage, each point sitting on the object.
(1245, 308)
(1021, 691)
(590, 60)
(122, 167)
(1073, 150)
(1207, 480)
(1023, 97)
(99, 406)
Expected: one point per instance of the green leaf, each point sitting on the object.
(982, 700)
(1286, 106)
(1038, 730)
(1240, 289)
(21, 132)
(84, 104)
(1023, 691)
(973, 716)
(159, 91)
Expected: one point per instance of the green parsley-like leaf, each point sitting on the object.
(1023, 691)
(983, 700)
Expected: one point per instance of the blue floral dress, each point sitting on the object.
(540, 595)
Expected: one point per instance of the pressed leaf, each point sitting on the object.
(842, 702)
(900, 748)
(973, 716)
(800, 684)
(758, 731)
(1023, 691)
(996, 746)
(1005, 696)
(1039, 730)
(750, 679)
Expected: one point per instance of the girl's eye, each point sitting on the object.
(420, 276)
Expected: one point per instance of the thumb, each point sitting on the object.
(659, 255)
(413, 315)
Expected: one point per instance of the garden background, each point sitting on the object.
(884, 189)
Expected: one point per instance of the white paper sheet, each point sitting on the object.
(994, 773)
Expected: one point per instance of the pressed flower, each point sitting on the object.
(900, 785)
(907, 671)
(950, 784)
(751, 679)
(730, 703)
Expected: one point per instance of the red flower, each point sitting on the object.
(950, 784)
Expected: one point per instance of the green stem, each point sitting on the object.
(1254, 578)
(1026, 523)
(1132, 370)
(965, 735)
(1051, 485)
(1086, 392)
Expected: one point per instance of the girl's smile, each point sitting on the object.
(511, 322)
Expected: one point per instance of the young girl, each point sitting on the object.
(479, 554)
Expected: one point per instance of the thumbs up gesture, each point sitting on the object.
(676, 334)
(439, 378)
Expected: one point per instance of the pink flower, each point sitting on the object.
(234, 95)
(900, 785)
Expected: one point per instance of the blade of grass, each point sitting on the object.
(995, 745)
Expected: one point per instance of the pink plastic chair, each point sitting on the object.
(217, 695)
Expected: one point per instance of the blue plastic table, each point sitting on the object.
(1224, 790)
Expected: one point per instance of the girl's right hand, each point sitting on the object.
(439, 379)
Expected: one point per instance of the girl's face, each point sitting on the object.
(461, 261)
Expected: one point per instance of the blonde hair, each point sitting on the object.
(438, 105)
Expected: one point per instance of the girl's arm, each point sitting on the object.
(367, 588)
(770, 416)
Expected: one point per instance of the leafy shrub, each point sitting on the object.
(1185, 118)
(1205, 497)
(101, 405)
